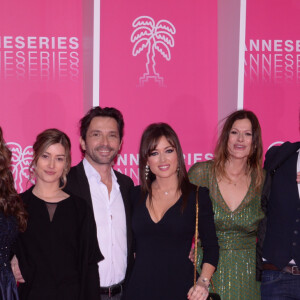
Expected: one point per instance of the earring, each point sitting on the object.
(32, 175)
(147, 170)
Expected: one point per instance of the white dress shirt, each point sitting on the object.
(110, 219)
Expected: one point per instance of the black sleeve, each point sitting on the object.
(207, 230)
(90, 256)
(262, 226)
(269, 157)
(135, 199)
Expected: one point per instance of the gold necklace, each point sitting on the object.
(239, 179)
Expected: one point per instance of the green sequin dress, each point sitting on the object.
(236, 231)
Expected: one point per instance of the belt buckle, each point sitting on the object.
(295, 269)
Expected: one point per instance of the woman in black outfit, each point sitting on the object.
(12, 219)
(58, 253)
(163, 223)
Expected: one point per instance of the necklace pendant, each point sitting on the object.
(166, 193)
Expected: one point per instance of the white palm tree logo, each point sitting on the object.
(153, 37)
(20, 162)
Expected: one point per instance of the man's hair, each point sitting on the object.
(97, 111)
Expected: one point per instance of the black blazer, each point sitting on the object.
(77, 184)
(279, 239)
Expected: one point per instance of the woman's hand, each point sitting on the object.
(199, 292)
(16, 270)
(298, 177)
(192, 254)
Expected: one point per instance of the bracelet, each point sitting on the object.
(206, 281)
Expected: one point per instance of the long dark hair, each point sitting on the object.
(254, 161)
(47, 138)
(10, 202)
(150, 138)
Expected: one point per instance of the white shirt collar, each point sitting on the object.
(90, 171)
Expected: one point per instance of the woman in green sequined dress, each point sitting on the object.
(234, 180)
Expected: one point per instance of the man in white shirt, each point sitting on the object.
(107, 191)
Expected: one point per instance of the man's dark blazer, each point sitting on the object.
(277, 240)
(77, 184)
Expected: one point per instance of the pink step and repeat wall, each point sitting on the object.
(272, 67)
(40, 74)
(158, 63)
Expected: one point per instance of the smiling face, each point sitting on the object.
(102, 141)
(240, 139)
(51, 164)
(163, 160)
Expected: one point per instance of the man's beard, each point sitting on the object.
(103, 160)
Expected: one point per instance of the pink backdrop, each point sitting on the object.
(174, 81)
(40, 74)
(272, 67)
(184, 94)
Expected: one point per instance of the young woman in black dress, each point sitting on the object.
(163, 223)
(12, 218)
(58, 253)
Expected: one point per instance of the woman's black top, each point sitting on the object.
(162, 268)
(58, 253)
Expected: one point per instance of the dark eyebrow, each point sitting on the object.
(239, 130)
(55, 155)
(164, 148)
(111, 131)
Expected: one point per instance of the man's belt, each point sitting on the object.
(291, 269)
(112, 290)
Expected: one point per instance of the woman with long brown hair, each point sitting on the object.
(58, 253)
(12, 219)
(163, 223)
(234, 179)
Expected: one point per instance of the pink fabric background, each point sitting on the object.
(188, 99)
(40, 99)
(47, 91)
(272, 89)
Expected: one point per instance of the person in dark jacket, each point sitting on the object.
(280, 237)
(107, 192)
